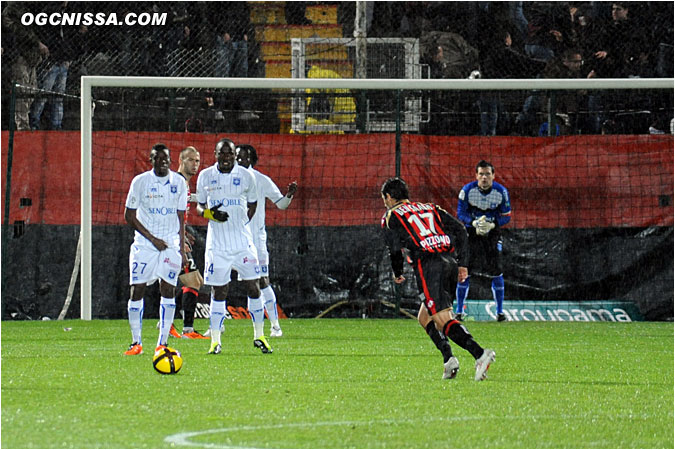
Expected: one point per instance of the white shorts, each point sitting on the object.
(218, 266)
(147, 265)
(263, 257)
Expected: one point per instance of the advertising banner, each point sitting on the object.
(568, 311)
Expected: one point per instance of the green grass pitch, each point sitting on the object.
(339, 383)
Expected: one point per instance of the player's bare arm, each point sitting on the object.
(396, 255)
(131, 219)
(251, 209)
(183, 253)
(189, 241)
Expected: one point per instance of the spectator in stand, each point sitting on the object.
(660, 18)
(500, 60)
(622, 47)
(66, 44)
(474, 19)
(232, 50)
(568, 65)
(183, 40)
(518, 21)
(200, 23)
(157, 44)
(449, 56)
(588, 35)
(549, 30)
(187, 40)
(30, 51)
(618, 48)
(233, 30)
(585, 33)
(179, 18)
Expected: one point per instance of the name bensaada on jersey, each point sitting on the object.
(423, 226)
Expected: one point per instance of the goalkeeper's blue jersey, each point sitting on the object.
(494, 204)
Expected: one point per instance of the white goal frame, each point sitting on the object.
(86, 110)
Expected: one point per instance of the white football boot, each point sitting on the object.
(450, 368)
(483, 364)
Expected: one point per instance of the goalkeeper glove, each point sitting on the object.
(478, 222)
(484, 228)
(215, 214)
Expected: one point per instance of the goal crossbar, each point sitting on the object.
(376, 83)
(90, 82)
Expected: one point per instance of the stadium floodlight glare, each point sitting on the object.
(290, 84)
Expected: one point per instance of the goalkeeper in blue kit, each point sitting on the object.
(484, 207)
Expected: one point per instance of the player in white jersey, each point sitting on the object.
(155, 208)
(226, 195)
(247, 156)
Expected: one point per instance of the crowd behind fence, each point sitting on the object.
(457, 40)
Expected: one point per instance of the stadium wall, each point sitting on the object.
(593, 216)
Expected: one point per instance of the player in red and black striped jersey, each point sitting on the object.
(189, 166)
(437, 244)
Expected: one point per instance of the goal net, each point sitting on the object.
(588, 165)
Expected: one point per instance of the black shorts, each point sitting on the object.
(436, 277)
(486, 253)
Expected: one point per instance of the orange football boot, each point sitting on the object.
(134, 349)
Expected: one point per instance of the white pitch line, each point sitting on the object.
(183, 439)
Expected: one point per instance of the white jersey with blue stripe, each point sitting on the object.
(158, 201)
(494, 204)
(233, 190)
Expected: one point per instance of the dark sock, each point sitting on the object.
(189, 305)
(440, 341)
(461, 336)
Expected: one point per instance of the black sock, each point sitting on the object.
(440, 341)
(461, 336)
(189, 305)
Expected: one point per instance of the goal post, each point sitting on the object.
(295, 86)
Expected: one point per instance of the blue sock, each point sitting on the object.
(498, 292)
(462, 292)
